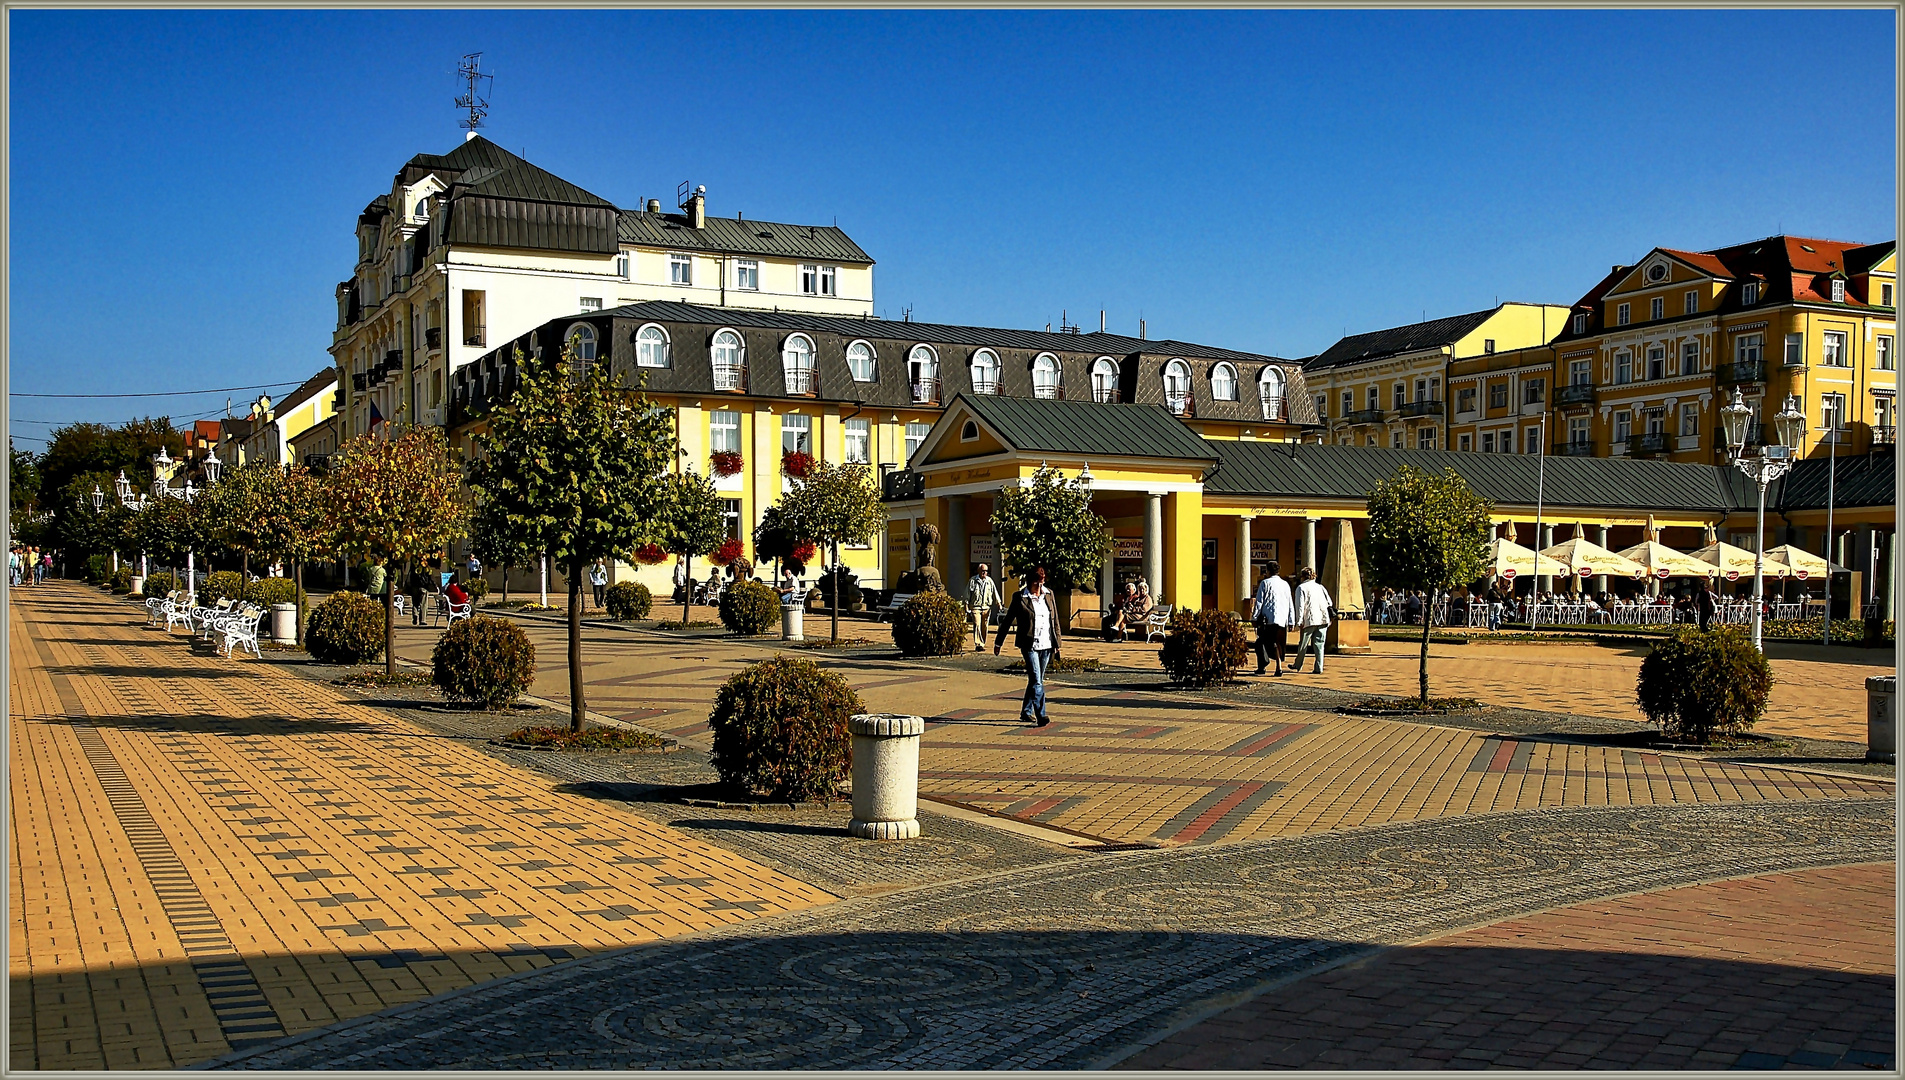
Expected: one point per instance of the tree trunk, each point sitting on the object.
(297, 582)
(390, 627)
(1428, 623)
(577, 706)
(687, 587)
(837, 579)
(505, 584)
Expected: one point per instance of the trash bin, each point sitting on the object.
(791, 619)
(284, 623)
(1881, 718)
(885, 775)
(138, 585)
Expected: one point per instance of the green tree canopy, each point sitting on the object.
(833, 505)
(692, 524)
(1047, 520)
(1426, 532)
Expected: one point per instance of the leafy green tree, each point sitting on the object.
(23, 482)
(493, 544)
(1047, 521)
(396, 499)
(692, 524)
(1428, 533)
(165, 530)
(577, 467)
(834, 505)
(228, 513)
(290, 520)
(88, 448)
(774, 537)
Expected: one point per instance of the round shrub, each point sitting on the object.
(348, 628)
(477, 587)
(223, 585)
(851, 599)
(159, 582)
(122, 580)
(1697, 685)
(1203, 648)
(931, 624)
(780, 729)
(629, 600)
(750, 608)
(274, 590)
(483, 660)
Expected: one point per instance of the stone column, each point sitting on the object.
(1307, 556)
(1545, 582)
(958, 547)
(1888, 575)
(1862, 561)
(1154, 544)
(1600, 580)
(1243, 561)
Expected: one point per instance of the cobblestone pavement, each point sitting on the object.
(1079, 964)
(1131, 766)
(209, 852)
(1793, 969)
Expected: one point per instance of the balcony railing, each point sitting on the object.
(433, 338)
(925, 391)
(1742, 371)
(473, 335)
(1364, 416)
(1647, 444)
(800, 381)
(1575, 394)
(1276, 409)
(730, 377)
(1884, 435)
(1179, 403)
(1574, 448)
(984, 386)
(1422, 407)
(1105, 395)
(902, 485)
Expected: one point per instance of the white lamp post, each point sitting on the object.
(213, 467)
(99, 499)
(1771, 463)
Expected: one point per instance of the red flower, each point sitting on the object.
(797, 464)
(803, 553)
(725, 462)
(729, 551)
(650, 554)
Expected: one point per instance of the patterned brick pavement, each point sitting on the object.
(1793, 969)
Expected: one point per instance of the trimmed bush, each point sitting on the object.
(851, 599)
(96, 571)
(1844, 631)
(931, 624)
(1697, 685)
(629, 600)
(485, 660)
(477, 587)
(122, 580)
(223, 585)
(780, 729)
(274, 590)
(160, 582)
(750, 608)
(348, 628)
(1203, 648)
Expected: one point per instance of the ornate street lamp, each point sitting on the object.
(161, 466)
(99, 499)
(1772, 462)
(213, 467)
(123, 487)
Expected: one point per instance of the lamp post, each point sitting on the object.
(1771, 463)
(99, 499)
(1832, 479)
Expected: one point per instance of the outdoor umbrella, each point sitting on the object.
(1733, 563)
(1798, 562)
(1510, 560)
(1586, 559)
(1656, 557)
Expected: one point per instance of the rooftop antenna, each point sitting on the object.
(475, 96)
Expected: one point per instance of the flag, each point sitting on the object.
(375, 416)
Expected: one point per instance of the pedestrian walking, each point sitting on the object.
(45, 567)
(1034, 613)
(375, 577)
(982, 596)
(599, 583)
(681, 579)
(415, 589)
(1705, 603)
(1312, 619)
(475, 567)
(1270, 612)
(13, 567)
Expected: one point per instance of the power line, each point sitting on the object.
(178, 393)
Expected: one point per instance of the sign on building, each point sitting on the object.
(984, 550)
(1127, 548)
(1263, 551)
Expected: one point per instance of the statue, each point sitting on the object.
(927, 578)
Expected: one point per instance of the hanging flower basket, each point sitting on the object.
(725, 462)
(650, 554)
(729, 551)
(797, 464)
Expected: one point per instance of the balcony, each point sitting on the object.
(1178, 403)
(1364, 416)
(1576, 395)
(473, 336)
(1647, 444)
(1421, 407)
(801, 381)
(985, 386)
(1741, 372)
(1884, 435)
(360, 381)
(1105, 395)
(433, 338)
(731, 377)
(902, 485)
(925, 391)
(1276, 409)
(1574, 448)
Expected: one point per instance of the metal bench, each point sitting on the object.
(1157, 621)
(240, 628)
(897, 602)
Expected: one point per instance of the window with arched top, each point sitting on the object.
(582, 341)
(729, 360)
(1177, 387)
(651, 346)
(922, 373)
(1047, 376)
(860, 361)
(797, 363)
(1270, 388)
(1223, 383)
(1104, 379)
(985, 372)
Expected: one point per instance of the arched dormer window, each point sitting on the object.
(1223, 382)
(1047, 376)
(797, 363)
(581, 341)
(1270, 388)
(985, 372)
(922, 372)
(1104, 379)
(651, 346)
(729, 360)
(860, 361)
(1177, 387)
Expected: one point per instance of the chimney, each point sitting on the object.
(1140, 329)
(1101, 320)
(698, 207)
(654, 206)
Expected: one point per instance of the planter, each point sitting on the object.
(284, 623)
(139, 584)
(885, 775)
(1881, 718)
(1347, 637)
(791, 617)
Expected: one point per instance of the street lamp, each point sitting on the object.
(213, 467)
(1771, 463)
(161, 466)
(123, 488)
(99, 499)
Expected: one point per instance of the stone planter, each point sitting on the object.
(138, 584)
(284, 623)
(791, 618)
(885, 775)
(1881, 718)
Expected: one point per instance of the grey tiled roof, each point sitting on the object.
(1399, 339)
(1862, 480)
(483, 168)
(1049, 426)
(739, 237)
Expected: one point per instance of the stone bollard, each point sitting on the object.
(1881, 718)
(791, 619)
(284, 623)
(885, 775)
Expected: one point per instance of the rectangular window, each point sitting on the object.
(1465, 400)
(1580, 373)
(1838, 290)
(1622, 315)
(1656, 421)
(1623, 426)
(1624, 368)
(1885, 300)
(1400, 399)
(621, 266)
(1882, 411)
(1795, 350)
(1691, 304)
(1375, 399)
(1657, 307)
(859, 441)
(1533, 440)
(915, 434)
(1832, 349)
(1578, 430)
(830, 281)
(1747, 348)
(1580, 327)
(1534, 391)
(747, 274)
(1488, 444)
(1832, 411)
(1657, 361)
(1465, 442)
(1422, 389)
(473, 333)
(1749, 294)
(1689, 421)
(1349, 402)
(1395, 441)
(1425, 439)
(724, 431)
(809, 279)
(797, 434)
(1882, 353)
(681, 269)
(591, 303)
(1498, 395)
(1689, 357)
(1488, 347)
(1322, 407)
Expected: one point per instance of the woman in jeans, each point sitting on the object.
(599, 581)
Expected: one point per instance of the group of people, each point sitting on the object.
(28, 565)
(1276, 608)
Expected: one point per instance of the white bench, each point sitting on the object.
(240, 628)
(795, 597)
(1157, 622)
(454, 611)
(892, 605)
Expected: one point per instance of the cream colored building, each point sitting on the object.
(270, 430)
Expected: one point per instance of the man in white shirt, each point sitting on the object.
(1312, 619)
(1034, 612)
(1270, 611)
(982, 595)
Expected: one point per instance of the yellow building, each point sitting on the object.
(1385, 388)
(1498, 402)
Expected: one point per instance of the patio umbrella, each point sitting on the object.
(1734, 563)
(1585, 559)
(1655, 557)
(1510, 560)
(1798, 562)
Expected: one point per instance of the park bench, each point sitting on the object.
(453, 611)
(239, 627)
(1156, 622)
(896, 602)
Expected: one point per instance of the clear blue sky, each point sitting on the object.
(185, 184)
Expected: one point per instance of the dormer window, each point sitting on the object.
(1749, 294)
(1580, 324)
(1104, 380)
(1223, 383)
(1623, 315)
(985, 372)
(1270, 389)
(582, 342)
(1047, 376)
(860, 361)
(423, 209)
(797, 363)
(1838, 290)
(651, 347)
(922, 372)
(1177, 387)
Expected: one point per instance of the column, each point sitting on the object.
(1308, 553)
(1888, 576)
(1862, 560)
(1244, 583)
(958, 547)
(1545, 582)
(1154, 543)
(1600, 580)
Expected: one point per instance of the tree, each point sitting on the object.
(229, 511)
(492, 543)
(1429, 533)
(396, 499)
(1048, 521)
(290, 520)
(23, 482)
(692, 525)
(164, 530)
(577, 466)
(832, 505)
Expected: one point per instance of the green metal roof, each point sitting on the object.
(1088, 428)
(1861, 480)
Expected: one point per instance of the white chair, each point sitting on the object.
(240, 628)
(453, 611)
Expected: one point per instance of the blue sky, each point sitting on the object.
(185, 184)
